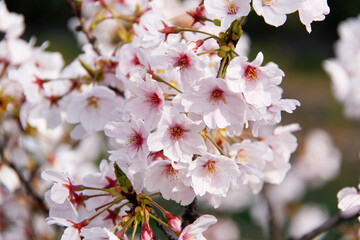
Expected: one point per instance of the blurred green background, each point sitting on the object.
(298, 53)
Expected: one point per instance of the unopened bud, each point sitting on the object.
(146, 233)
(174, 222)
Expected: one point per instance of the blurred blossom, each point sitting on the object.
(224, 229)
(320, 160)
(306, 219)
(344, 69)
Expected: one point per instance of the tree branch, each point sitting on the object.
(274, 225)
(28, 187)
(332, 222)
(92, 40)
(190, 214)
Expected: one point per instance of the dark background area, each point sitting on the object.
(298, 53)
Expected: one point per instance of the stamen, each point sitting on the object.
(182, 61)
(217, 95)
(92, 102)
(170, 173)
(250, 72)
(153, 99)
(176, 132)
(211, 171)
(135, 141)
(231, 7)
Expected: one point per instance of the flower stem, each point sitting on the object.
(210, 51)
(134, 231)
(214, 143)
(159, 79)
(222, 67)
(159, 220)
(198, 31)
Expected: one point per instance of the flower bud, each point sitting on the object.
(174, 222)
(146, 233)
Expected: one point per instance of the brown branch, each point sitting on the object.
(190, 214)
(274, 225)
(332, 222)
(90, 37)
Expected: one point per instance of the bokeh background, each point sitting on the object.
(298, 53)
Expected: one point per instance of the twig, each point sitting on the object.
(83, 27)
(28, 187)
(274, 225)
(332, 222)
(165, 230)
(190, 214)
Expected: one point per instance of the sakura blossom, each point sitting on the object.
(274, 11)
(177, 136)
(348, 198)
(227, 11)
(212, 174)
(310, 11)
(93, 109)
(196, 229)
(161, 110)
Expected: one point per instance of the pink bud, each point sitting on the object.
(146, 233)
(174, 222)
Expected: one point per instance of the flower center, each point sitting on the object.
(217, 95)
(268, 2)
(136, 61)
(153, 99)
(231, 7)
(250, 72)
(92, 102)
(170, 173)
(135, 141)
(190, 236)
(210, 169)
(182, 61)
(176, 132)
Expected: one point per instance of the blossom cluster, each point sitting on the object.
(344, 68)
(345, 78)
(185, 112)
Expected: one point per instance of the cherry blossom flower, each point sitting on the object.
(181, 57)
(313, 10)
(274, 11)
(11, 23)
(251, 158)
(212, 99)
(228, 10)
(212, 174)
(134, 168)
(306, 218)
(93, 109)
(72, 231)
(178, 136)
(348, 198)
(282, 143)
(320, 161)
(132, 136)
(251, 78)
(195, 230)
(128, 64)
(169, 178)
(149, 31)
(98, 233)
(146, 100)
